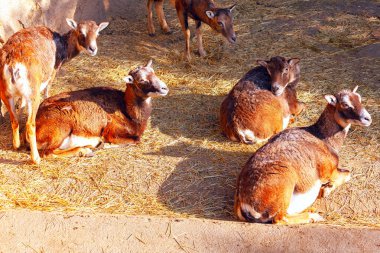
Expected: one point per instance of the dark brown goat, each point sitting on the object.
(202, 11)
(74, 123)
(251, 112)
(285, 176)
(28, 63)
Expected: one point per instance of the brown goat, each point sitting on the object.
(28, 63)
(74, 123)
(285, 176)
(251, 112)
(202, 11)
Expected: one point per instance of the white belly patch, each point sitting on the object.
(246, 135)
(74, 141)
(285, 122)
(300, 201)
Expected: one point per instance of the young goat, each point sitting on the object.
(28, 63)
(202, 11)
(284, 177)
(74, 123)
(261, 103)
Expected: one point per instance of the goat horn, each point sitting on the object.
(355, 89)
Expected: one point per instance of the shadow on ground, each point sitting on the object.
(203, 183)
(194, 116)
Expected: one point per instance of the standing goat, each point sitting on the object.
(74, 123)
(261, 103)
(202, 11)
(285, 176)
(28, 63)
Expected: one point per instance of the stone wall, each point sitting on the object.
(53, 13)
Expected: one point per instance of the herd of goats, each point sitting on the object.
(279, 182)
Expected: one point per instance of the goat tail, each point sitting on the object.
(242, 212)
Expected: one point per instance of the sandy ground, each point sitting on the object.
(23, 231)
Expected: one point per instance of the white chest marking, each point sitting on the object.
(285, 122)
(74, 141)
(300, 201)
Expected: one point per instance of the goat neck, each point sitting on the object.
(327, 129)
(138, 108)
(67, 46)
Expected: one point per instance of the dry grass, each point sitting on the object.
(184, 167)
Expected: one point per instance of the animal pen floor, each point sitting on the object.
(184, 167)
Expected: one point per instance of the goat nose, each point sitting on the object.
(366, 118)
(233, 38)
(92, 48)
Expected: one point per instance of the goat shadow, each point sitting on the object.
(203, 183)
(194, 116)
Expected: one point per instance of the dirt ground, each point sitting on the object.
(24, 231)
(184, 167)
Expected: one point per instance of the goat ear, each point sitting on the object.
(293, 61)
(128, 79)
(232, 7)
(331, 99)
(149, 64)
(102, 26)
(210, 14)
(262, 63)
(355, 89)
(71, 23)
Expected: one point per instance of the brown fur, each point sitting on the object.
(293, 161)
(251, 105)
(114, 116)
(42, 52)
(219, 19)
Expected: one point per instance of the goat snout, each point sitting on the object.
(93, 49)
(233, 38)
(164, 90)
(365, 118)
(277, 89)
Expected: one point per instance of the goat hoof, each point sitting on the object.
(168, 32)
(36, 160)
(314, 217)
(188, 58)
(202, 53)
(152, 34)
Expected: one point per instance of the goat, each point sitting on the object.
(284, 177)
(202, 11)
(74, 123)
(28, 63)
(261, 103)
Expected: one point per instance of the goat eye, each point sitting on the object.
(220, 24)
(345, 105)
(286, 70)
